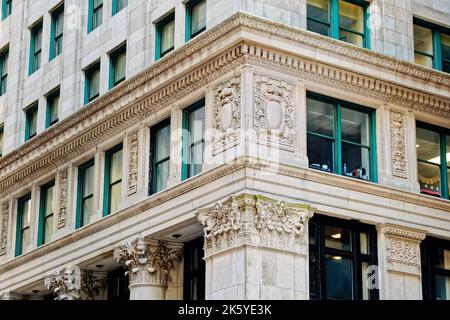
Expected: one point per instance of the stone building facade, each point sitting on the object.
(223, 149)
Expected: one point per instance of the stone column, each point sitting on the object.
(400, 265)
(148, 264)
(256, 248)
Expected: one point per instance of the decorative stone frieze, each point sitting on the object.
(133, 159)
(275, 113)
(4, 222)
(255, 220)
(227, 115)
(63, 185)
(65, 283)
(399, 145)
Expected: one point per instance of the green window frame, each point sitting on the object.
(161, 28)
(6, 8)
(4, 55)
(85, 193)
(56, 32)
(95, 14)
(190, 165)
(35, 48)
(118, 5)
(113, 180)
(117, 56)
(340, 112)
(440, 53)
(191, 29)
(159, 158)
(334, 21)
(92, 83)
(442, 162)
(23, 236)
(46, 213)
(31, 121)
(1, 140)
(51, 116)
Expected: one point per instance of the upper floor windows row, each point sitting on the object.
(95, 12)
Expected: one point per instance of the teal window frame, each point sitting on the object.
(35, 52)
(19, 225)
(49, 121)
(2, 134)
(159, 27)
(116, 8)
(107, 183)
(42, 209)
(87, 82)
(436, 31)
(333, 17)
(189, 7)
(154, 163)
(56, 50)
(187, 145)
(113, 65)
(28, 118)
(6, 8)
(337, 139)
(4, 55)
(443, 167)
(91, 12)
(80, 193)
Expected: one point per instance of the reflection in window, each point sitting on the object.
(85, 198)
(196, 18)
(113, 180)
(194, 143)
(23, 224)
(194, 270)
(160, 154)
(165, 35)
(46, 213)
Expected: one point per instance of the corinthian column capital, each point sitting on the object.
(65, 283)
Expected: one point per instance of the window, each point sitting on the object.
(52, 109)
(435, 254)
(6, 8)
(431, 45)
(92, 83)
(195, 18)
(340, 138)
(193, 139)
(95, 14)
(35, 48)
(31, 122)
(118, 62)
(118, 285)
(85, 194)
(118, 5)
(160, 156)
(46, 212)
(338, 19)
(3, 71)
(113, 180)
(56, 34)
(23, 224)
(1, 141)
(340, 254)
(433, 160)
(194, 270)
(165, 35)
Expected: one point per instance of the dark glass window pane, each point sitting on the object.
(338, 238)
(429, 179)
(318, 27)
(94, 83)
(162, 175)
(318, 9)
(355, 161)
(339, 277)
(351, 16)
(120, 4)
(423, 40)
(445, 46)
(120, 67)
(447, 138)
(364, 243)
(313, 283)
(162, 143)
(198, 17)
(320, 117)
(351, 37)
(320, 153)
(441, 258)
(355, 126)
(428, 146)
(446, 66)
(168, 36)
(423, 60)
(442, 287)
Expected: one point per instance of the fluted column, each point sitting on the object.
(148, 264)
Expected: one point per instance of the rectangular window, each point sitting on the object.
(1, 140)
(118, 5)
(195, 18)
(165, 35)
(118, 285)
(341, 253)
(193, 139)
(160, 156)
(194, 270)
(35, 48)
(338, 19)
(23, 224)
(341, 138)
(433, 160)
(95, 14)
(118, 62)
(31, 121)
(46, 213)
(85, 194)
(435, 254)
(6, 8)
(92, 83)
(3, 71)
(431, 45)
(56, 34)
(52, 109)
(113, 180)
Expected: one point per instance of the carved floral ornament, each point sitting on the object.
(255, 220)
(4, 220)
(63, 199)
(398, 145)
(133, 158)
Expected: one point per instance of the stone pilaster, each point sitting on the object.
(4, 227)
(256, 248)
(400, 265)
(148, 264)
